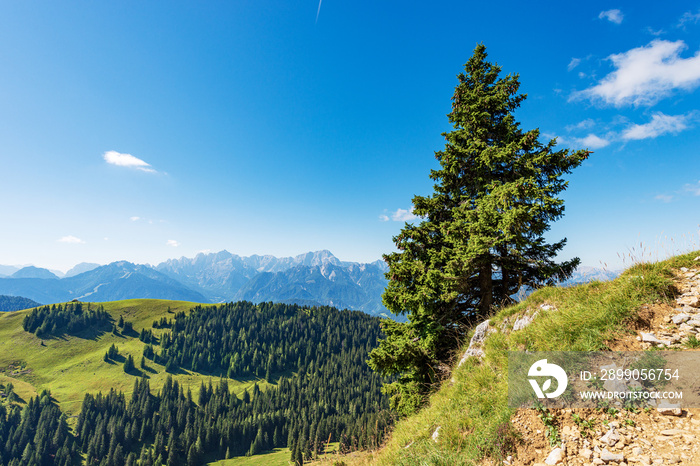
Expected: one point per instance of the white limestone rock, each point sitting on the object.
(611, 437)
(607, 456)
(555, 457)
(524, 321)
(480, 333)
(436, 434)
(651, 338)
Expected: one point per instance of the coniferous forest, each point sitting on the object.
(37, 435)
(70, 318)
(322, 389)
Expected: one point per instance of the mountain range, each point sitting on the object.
(314, 278)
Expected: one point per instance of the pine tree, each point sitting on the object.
(129, 364)
(479, 237)
(298, 456)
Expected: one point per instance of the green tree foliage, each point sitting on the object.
(480, 237)
(16, 303)
(10, 392)
(111, 353)
(70, 318)
(328, 389)
(129, 364)
(37, 434)
(147, 336)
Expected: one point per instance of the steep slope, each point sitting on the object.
(468, 419)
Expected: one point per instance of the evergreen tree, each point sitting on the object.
(298, 456)
(480, 236)
(129, 364)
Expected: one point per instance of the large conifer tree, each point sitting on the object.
(480, 235)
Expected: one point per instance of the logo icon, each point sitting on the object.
(543, 369)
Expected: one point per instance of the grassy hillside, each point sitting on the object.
(277, 457)
(472, 409)
(70, 366)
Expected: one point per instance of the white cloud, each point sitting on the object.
(645, 75)
(585, 124)
(134, 219)
(693, 188)
(573, 63)
(614, 16)
(402, 215)
(688, 18)
(660, 124)
(70, 239)
(592, 142)
(173, 243)
(664, 198)
(127, 160)
(589, 142)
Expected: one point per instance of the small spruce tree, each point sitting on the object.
(129, 364)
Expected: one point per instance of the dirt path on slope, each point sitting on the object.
(612, 437)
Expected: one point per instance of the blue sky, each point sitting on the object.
(150, 130)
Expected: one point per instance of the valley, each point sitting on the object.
(297, 378)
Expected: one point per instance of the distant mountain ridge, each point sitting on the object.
(16, 303)
(7, 270)
(115, 281)
(34, 272)
(313, 278)
(585, 274)
(80, 268)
